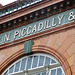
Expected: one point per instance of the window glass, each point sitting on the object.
(53, 72)
(12, 9)
(8, 9)
(17, 66)
(29, 62)
(4, 11)
(25, 3)
(53, 61)
(36, 65)
(0, 13)
(38, 74)
(32, 74)
(34, 0)
(44, 73)
(11, 69)
(30, 1)
(47, 61)
(17, 6)
(23, 64)
(35, 60)
(41, 60)
(59, 71)
(20, 5)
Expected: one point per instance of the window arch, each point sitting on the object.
(36, 64)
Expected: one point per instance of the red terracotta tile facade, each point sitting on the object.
(60, 44)
(65, 52)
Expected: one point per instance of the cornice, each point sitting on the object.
(26, 16)
(28, 10)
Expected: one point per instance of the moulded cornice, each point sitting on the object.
(28, 10)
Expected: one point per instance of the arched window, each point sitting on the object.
(36, 64)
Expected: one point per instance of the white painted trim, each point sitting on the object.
(32, 69)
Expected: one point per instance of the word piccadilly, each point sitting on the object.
(37, 27)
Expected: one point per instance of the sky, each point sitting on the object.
(5, 2)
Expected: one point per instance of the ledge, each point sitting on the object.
(28, 10)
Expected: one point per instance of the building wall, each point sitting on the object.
(59, 44)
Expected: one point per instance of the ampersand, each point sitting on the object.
(71, 16)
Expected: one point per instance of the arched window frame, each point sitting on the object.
(44, 68)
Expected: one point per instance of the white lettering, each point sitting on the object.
(6, 37)
(29, 29)
(40, 27)
(23, 32)
(34, 29)
(60, 19)
(46, 24)
(17, 33)
(53, 22)
(71, 16)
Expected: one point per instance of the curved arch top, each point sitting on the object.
(41, 49)
(33, 62)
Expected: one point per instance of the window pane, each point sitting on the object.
(17, 66)
(41, 60)
(31, 74)
(38, 74)
(25, 3)
(0, 13)
(59, 71)
(36, 66)
(47, 61)
(44, 73)
(23, 64)
(35, 60)
(53, 72)
(53, 61)
(11, 69)
(29, 62)
(8, 9)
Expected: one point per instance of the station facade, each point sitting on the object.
(37, 37)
